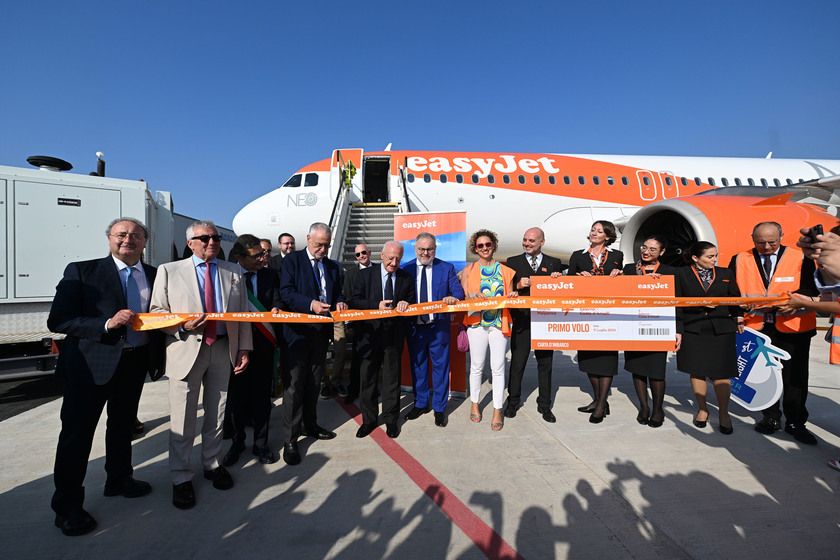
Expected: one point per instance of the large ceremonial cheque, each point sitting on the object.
(601, 326)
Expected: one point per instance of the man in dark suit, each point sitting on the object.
(428, 335)
(309, 283)
(249, 394)
(381, 340)
(533, 262)
(286, 243)
(102, 360)
(363, 261)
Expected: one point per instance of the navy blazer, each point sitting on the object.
(298, 288)
(367, 294)
(444, 283)
(90, 293)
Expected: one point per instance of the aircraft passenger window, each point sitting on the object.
(537, 179)
(737, 181)
(581, 179)
(711, 182)
(625, 181)
(459, 178)
(684, 181)
(751, 182)
(610, 180)
(427, 178)
(567, 180)
(789, 182)
(552, 179)
(506, 179)
(443, 178)
(801, 180)
(777, 182)
(668, 181)
(522, 179)
(646, 180)
(491, 179)
(724, 181)
(474, 179)
(410, 177)
(294, 181)
(697, 181)
(764, 183)
(596, 179)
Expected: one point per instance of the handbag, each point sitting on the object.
(462, 339)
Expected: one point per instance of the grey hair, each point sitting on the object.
(127, 219)
(426, 235)
(393, 243)
(760, 225)
(207, 224)
(320, 226)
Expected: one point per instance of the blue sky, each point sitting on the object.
(220, 102)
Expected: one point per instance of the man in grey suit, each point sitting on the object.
(201, 352)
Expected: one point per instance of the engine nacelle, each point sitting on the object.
(726, 221)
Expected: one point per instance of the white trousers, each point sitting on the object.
(480, 339)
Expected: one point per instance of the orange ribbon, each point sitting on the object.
(149, 321)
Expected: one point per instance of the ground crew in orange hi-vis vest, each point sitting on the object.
(772, 268)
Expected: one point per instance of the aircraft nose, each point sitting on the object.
(243, 221)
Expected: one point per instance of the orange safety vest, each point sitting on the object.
(833, 338)
(785, 278)
(474, 287)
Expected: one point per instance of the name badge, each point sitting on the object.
(783, 279)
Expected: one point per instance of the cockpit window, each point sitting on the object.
(311, 180)
(294, 181)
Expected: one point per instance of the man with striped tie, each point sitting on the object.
(102, 360)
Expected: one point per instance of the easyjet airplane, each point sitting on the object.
(678, 197)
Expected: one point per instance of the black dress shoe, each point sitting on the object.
(325, 392)
(291, 455)
(510, 411)
(801, 434)
(232, 456)
(392, 430)
(75, 523)
(127, 487)
(416, 413)
(653, 422)
(264, 454)
(724, 430)
(589, 409)
(547, 415)
(440, 419)
(698, 423)
(319, 433)
(643, 417)
(767, 426)
(365, 430)
(183, 495)
(221, 478)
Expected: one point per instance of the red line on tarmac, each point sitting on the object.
(485, 538)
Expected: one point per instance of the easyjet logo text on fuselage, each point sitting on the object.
(482, 166)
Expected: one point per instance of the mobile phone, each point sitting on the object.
(815, 231)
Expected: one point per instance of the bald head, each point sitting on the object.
(532, 241)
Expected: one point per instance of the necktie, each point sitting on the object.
(768, 266)
(209, 306)
(424, 293)
(315, 267)
(249, 281)
(533, 263)
(132, 297)
(389, 290)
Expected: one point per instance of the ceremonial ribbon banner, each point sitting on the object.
(605, 326)
(148, 321)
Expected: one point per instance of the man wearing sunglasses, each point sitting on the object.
(428, 335)
(309, 283)
(362, 253)
(201, 352)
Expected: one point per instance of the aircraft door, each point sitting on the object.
(377, 179)
(647, 184)
(670, 188)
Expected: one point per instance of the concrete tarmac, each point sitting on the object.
(533, 490)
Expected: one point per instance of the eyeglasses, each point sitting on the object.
(425, 250)
(133, 236)
(644, 248)
(360, 253)
(258, 256)
(771, 243)
(483, 245)
(206, 238)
